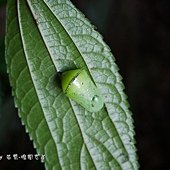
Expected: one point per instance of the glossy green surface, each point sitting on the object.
(78, 86)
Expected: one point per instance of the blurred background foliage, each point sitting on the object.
(138, 33)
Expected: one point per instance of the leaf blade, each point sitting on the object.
(105, 139)
(19, 76)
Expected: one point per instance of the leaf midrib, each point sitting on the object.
(22, 43)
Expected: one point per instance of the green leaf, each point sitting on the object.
(43, 39)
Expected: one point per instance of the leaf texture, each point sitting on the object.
(44, 38)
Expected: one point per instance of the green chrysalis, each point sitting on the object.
(78, 86)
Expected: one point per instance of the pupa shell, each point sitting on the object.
(78, 86)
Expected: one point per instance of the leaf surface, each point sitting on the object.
(43, 39)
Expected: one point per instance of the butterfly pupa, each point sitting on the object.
(78, 86)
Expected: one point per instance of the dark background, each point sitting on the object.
(138, 35)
